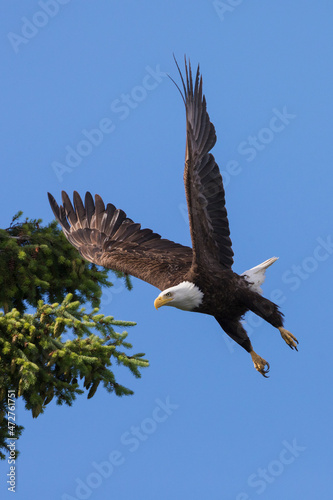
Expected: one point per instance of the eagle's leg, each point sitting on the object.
(270, 313)
(236, 331)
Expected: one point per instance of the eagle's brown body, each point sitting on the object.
(105, 236)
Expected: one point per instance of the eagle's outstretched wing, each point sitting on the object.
(209, 224)
(105, 236)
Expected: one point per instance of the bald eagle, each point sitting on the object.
(198, 279)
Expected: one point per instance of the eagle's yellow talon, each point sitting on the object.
(260, 364)
(289, 338)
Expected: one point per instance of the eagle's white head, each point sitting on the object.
(185, 296)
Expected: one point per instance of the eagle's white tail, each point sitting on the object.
(256, 275)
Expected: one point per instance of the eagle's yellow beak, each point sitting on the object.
(161, 301)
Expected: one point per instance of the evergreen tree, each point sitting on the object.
(37, 362)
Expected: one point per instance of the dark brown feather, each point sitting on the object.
(205, 196)
(108, 238)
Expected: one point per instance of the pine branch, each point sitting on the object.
(40, 365)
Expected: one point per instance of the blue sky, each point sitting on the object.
(202, 423)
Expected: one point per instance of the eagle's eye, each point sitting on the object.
(168, 294)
